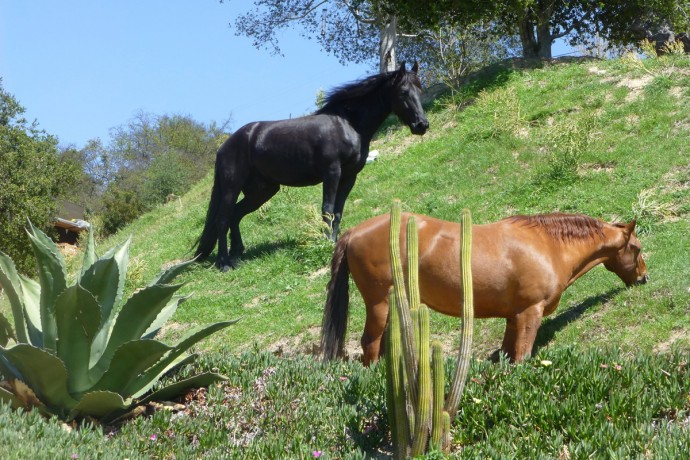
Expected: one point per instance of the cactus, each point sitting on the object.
(415, 375)
(463, 366)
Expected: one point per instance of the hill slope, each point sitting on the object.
(605, 138)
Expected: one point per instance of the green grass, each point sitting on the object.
(604, 138)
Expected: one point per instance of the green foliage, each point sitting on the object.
(32, 177)
(575, 406)
(418, 417)
(77, 352)
(118, 208)
(149, 160)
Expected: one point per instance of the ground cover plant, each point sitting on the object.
(605, 138)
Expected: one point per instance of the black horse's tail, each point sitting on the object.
(209, 236)
(334, 323)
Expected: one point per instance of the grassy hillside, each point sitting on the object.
(605, 138)
(608, 139)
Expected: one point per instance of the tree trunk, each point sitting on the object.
(536, 39)
(387, 45)
(535, 30)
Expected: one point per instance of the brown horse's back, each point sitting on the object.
(496, 250)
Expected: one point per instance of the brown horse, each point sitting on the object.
(520, 267)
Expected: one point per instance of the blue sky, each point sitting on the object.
(83, 67)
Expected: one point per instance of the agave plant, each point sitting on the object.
(78, 350)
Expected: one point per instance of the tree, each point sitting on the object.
(352, 30)
(539, 23)
(32, 178)
(148, 158)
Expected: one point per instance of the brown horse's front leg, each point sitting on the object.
(521, 330)
(374, 326)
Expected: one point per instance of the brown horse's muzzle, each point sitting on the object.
(642, 279)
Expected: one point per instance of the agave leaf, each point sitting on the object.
(137, 390)
(192, 337)
(170, 391)
(164, 316)
(32, 309)
(78, 316)
(166, 276)
(98, 404)
(89, 252)
(10, 398)
(129, 361)
(137, 314)
(43, 372)
(102, 280)
(51, 273)
(121, 255)
(6, 332)
(9, 280)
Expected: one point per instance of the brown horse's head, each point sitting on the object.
(628, 263)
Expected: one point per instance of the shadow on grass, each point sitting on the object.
(254, 252)
(550, 326)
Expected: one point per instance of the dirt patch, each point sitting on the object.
(677, 91)
(680, 336)
(635, 85)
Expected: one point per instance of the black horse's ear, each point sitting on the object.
(402, 67)
(415, 67)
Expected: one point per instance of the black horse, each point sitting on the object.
(330, 146)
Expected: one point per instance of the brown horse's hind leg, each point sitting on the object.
(374, 327)
(521, 330)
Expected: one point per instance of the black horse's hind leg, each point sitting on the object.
(331, 185)
(223, 220)
(256, 192)
(344, 188)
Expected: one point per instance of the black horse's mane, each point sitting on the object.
(362, 88)
(564, 227)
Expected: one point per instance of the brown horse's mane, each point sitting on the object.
(564, 227)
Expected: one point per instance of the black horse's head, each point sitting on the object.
(406, 99)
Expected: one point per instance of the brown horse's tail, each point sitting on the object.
(334, 323)
(209, 236)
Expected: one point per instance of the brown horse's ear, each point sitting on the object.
(415, 67)
(631, 226)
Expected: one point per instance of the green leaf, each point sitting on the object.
(89, 252)
(32, 309)
(102, 280)
(166, 276)
(9, 280)
(121, 255)
(99, 404)
(129, 361)
(51, 273)
(44, 373)
(137, 314)
(170, 391)
(164, 316)
(10, 398)
(78, 316)
(142, 386)
(6, 332)
(143, 383)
